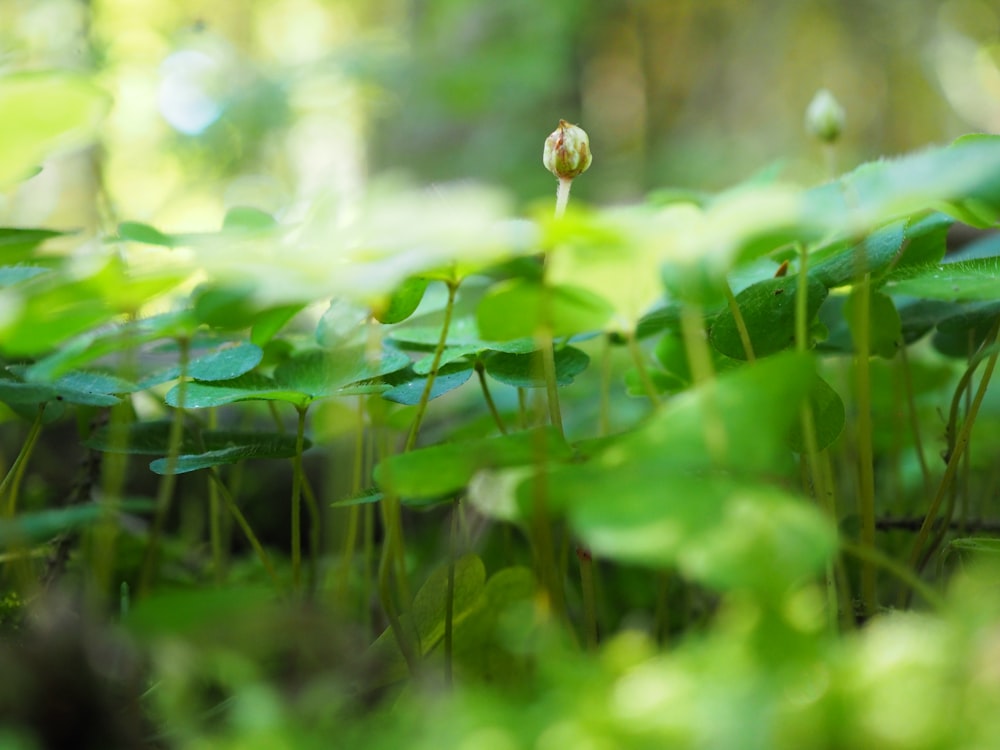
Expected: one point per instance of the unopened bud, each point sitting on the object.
(825, 117)
(567, 151)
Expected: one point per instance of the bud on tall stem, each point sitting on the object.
(567, 155)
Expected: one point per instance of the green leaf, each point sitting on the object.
(230, 360)
(964, 331)
(153, 439)
(239, 448)
(885, 328)
(738, 422)
(247, 219)
(403, 302)
(138, 438)
(58, 306)
(267, 323)
(449, 355)
(320, 373)
(918, 316)
(18, 245)
(410, 391)
(841, 264)
(83, 388)
(768, 310)
(30, 528)
(92, 345)
(524, 370)
(829, 417)
(41, 113)
(430, 603)
(494, 641)
(725, 533)
(252, 386)
(977, 279)
(233, 306)
(134, 231)
(961, 179)
(985, 546)
(926, 240)
(513, 310)
(225, 361)
(435, 472)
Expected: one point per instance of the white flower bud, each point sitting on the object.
(567, 151)
(825, 117)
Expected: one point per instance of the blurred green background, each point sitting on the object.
(271, 103)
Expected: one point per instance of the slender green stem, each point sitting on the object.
(245, 526)
(354, 512)
(802, 302)
(640, 366)
(695, 344)
(604, 420)
(954, 460)
(215, 516)
(390, 517)
(548, 357)
(588, 587)
(866, 460)
(541, 530)
(816, 469)
(741, 325)
(296, 540)
(12, 481)
(435, 364)
(488, 397)
(700, 362)
(315, 527)
(911, 404)
(449, 606)
(367, 564)
(165, 494)
(873, 556)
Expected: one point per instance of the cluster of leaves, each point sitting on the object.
(735, 312)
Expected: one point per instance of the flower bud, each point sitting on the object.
(567, 151)
(825, 117)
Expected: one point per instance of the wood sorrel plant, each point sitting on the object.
(773, 359)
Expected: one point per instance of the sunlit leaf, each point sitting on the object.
(514, 310)
(434, 472)
(41, 113)
(17, 245)
(134, 231)
(251, 386)
(402, 302)
(92, 345)
(722, 532)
